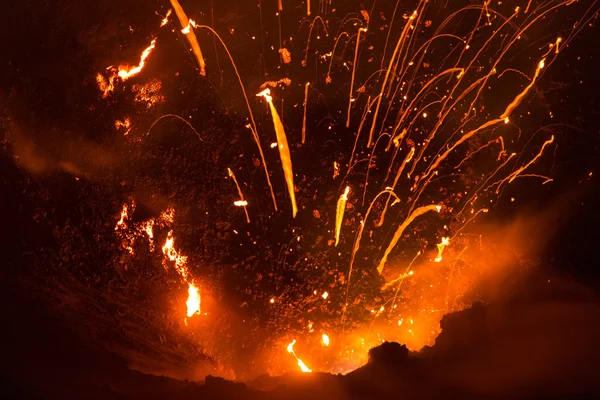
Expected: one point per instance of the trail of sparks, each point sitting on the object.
(350, 98)
(407, 159)
(284, 151)
(252, 125)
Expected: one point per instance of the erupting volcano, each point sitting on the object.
(278, 187)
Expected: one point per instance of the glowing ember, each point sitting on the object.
(325, 339)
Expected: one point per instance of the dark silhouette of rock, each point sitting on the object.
(388, 354)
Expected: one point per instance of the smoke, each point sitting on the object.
(77, 157)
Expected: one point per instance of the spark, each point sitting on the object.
(325, 339)
(325, 295)
(339, 215)
(284, 151)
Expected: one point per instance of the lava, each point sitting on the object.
(126, 72)
(284, 150)
(186, 29)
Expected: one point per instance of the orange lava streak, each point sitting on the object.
(284, 150)
(125, 72)
(339, 215)
(418, 212)
(186, 25)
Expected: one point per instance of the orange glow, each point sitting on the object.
(325, 339)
